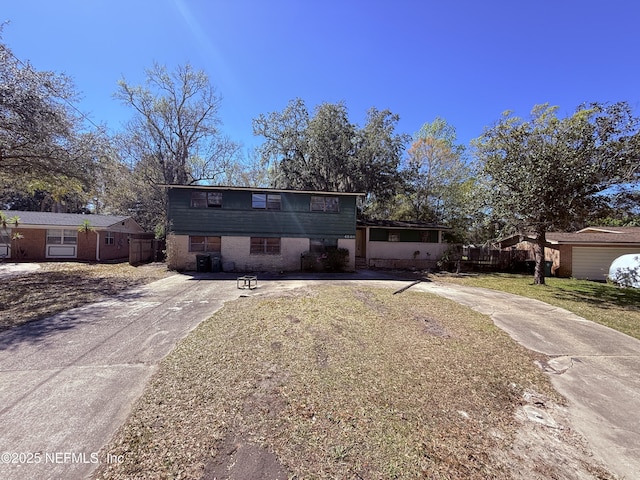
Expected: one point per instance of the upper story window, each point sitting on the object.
(324, 204)
(200, 199)
(268, 201)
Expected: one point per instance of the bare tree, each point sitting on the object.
(177, 125)
(173, 138)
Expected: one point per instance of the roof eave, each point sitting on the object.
(263, 189)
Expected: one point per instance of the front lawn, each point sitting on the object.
(617, 308)
(60, 286)
(339, 382)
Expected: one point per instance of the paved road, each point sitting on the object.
(594, 367)
(68, 382)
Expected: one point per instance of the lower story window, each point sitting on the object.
(204, 244)
(62, 237)
(321, 245)
(429, 236)
(265, 246)
(108, 238)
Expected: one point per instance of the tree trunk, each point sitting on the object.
(538, 249)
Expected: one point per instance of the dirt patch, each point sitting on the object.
(240, 459)
(545, 446)
(432, 327)
(368, 299)
(265, 400)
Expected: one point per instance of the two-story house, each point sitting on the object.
(257, 229)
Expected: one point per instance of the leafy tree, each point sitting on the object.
(44, 144)
(436, 173)
(619, 208)
(325, 151)
(133, 189)
(438, 183)
(546, 172)
(379, 151)
(175, 133)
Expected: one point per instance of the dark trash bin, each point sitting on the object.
(547, 268)
(216, 263)
(531, 267)
(203, 263)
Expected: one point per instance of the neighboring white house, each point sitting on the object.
(397, 244)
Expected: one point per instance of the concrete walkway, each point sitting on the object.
(68, 382)
(596, 368)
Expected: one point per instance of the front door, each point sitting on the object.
(361, 242)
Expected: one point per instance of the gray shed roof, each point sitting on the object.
(589, 235)
(64, 219)
(401, 225)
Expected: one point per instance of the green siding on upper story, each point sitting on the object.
(237, 217)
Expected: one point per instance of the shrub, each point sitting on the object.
(335, 259)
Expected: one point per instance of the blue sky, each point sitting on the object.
(466, 61)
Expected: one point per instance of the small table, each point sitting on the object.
(248, 281)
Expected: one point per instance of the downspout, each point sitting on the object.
(97, 246)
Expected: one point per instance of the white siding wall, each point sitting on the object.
(349, 244)
(236, 250)
(178, 255)
(405, 250)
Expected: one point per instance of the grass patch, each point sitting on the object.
(617, 308)
(58, 287)
(337, 382)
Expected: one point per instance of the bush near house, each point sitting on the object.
(331, 260)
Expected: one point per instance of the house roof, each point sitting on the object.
(589, 235)
(64, 219)
(261, 189)
(401, 225)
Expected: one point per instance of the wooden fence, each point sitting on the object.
(489, 259)
(145, 248)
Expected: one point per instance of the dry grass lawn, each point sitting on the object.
(338, 382)
(60, 286)
(604, 303)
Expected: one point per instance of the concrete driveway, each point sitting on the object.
(68, 382)
(8, 269)
(594, 367)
